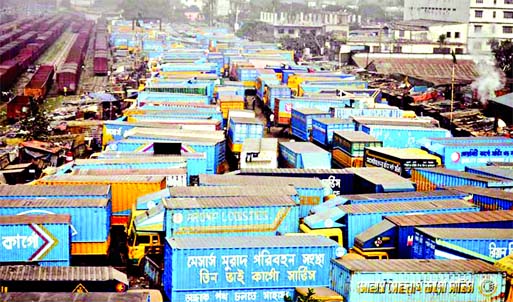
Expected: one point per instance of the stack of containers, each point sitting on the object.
(323, 128)
(242, 128)
(301, 122)
(344, 112)
(247, 75)
(274, 91)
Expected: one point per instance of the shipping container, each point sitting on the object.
(259, 153)
(395, 233)
(403, 137)
(146, 96)
(176, 177)
(271, 92)
(459, 153)
(143, 296)
(283, 106)
(417, 280)
(55, 191)
(426, 122)
(83, 211)
(340, 181)
(434, 178)
(348, 147)
(227, 103)
(390, 197)
(500, 172)
(125, 190)
(230, 216)
(488, 245)
(242, 128)
(303, 155)
(345, 113)
(147, 201)
(323, 128)
(399, 160)
(357, 218)
(37, 240)
(245, 268)
(379, 180)
(316, 87)
(488, 199)
(311, 191)
(301, 121)
(23, 278)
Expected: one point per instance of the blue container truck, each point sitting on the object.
(242, 128)
(148, 96)
(340, 181)
(430, 179)
(245, 268)
(311, 191)
(283, 106)
(459, 153)
(55, 191)
(394, 234)
(275, 91)
(322, 129)
(487, 199)
(355, 219)
(36, 239)
(301, 121)
(403, 137)
(379, 180)
(417, 280)
(342, 112)
(500, 172)
(303, 155)
(389, 197)
(488, 245)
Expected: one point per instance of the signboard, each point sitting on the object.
(400, 167)
(458, 159)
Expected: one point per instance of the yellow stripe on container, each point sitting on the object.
(90, 248)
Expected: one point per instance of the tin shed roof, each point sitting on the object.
(227, 191)
(19, 191)
(417, 266)
(228, 202)
(61, 273)
(217, 179)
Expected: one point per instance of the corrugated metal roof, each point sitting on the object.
(417, 266)
(101, 179)
(157, 159)
(373, 231)
(506, 100)
(246, 120)
(250, 242)
(54, 190)
(294, 171)
(133, 171)
(463, 233)
(493, 193)
(436, 219)
(497, 171)
(356, 136)
(416, 194)
(383, 177)
(61, 273)
(228, 202)
(303, 147)
(404, 206)
(466, 175)
(437, 71)
(53, 202)
(42, 219)
(300, 182)
(227, 191)
(331, 121)
(307, 111)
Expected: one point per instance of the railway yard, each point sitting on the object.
(186, 164)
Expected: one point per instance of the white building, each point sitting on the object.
(486, 19)
(412, 37)
(82, 3)
(198, 3)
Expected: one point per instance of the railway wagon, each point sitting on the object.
(40, 82)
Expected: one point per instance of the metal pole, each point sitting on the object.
(452, 91)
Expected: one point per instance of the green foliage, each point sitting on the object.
(145, 9)
(503, 52)
(36, 124)
(256, 31)
(442, 39)
(301, 298)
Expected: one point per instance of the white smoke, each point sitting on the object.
(490, 78)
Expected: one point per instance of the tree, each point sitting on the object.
(441, 40)
(145, 9)
(503, 52)
(308, 298)
(35, 125)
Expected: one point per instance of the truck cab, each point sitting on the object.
(145, 234)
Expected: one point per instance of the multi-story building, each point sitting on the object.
(296, 23)
(486, 19)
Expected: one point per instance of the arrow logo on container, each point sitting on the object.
(49, 242)
(73, 230)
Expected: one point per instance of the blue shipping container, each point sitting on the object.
(38, 240)
(55, 191)
(304, 155)
(83, 213)
(403, 137)
(246, 263)
(456, 243)
(322, 129)
(301, 121)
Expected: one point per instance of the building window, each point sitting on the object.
(281, 31)
(398, 49)
(401, 33)
(291, 31)
(479, 1)
(508, 1)
(376, 49)
(508, 15)
(507, 29)
(478, 13)
(448, 34)
(457, 35)
(478, 28)
(494, 14)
